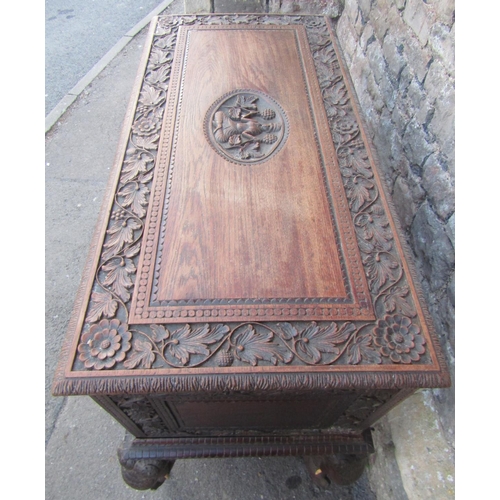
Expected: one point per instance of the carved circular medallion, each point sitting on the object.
(246, 126)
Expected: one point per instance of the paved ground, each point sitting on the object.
(78, 33)
(81, 439)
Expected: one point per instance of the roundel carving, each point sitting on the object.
(246, 126)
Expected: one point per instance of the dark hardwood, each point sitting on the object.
(247, 291)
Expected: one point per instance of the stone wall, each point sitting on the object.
(400, 54)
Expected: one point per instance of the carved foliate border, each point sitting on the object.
(367, 352)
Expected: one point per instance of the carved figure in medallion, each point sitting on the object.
(246, 126)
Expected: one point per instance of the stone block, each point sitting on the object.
(419, 17)
(393, 53)
(383, 141)
(379, 22)
(425, 114)
(434, 251)
(417, 104)
(374, 93)
(347, 39)
(415, 95)
(442, 126)
(197, 6)
(400, 4)
(367, 92)
(442, 44)
(450, 230)
(383, 472)
(444, 10)
(400, 118)
(365, 6)
(439, 187)
(376, 58)
(405, 78)
(418, 58)
(438, 82)
(228, 6)
(367, 37)
(416, 143)
(425, 459)
(406, 207)
(351, 10)
(331, 8)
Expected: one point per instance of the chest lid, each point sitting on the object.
(247, 241)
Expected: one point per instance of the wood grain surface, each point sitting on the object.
(247, 231)
(234, 231)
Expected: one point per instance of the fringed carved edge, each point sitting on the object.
(292, 382)
(407, 253)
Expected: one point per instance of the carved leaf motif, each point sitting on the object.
(395, 298)
(337, 95)
(145, 178)
(252, 346)
(159, 75)
(188, 20)
(375, 224)
(101, 304)
(381, 268)
(317, 40)
(365, 246)
(243, 19)
(250, 150)
(159, 57)
(150, 96)
(215, 20)
(134, 166)
(288, 331)
(163, 29)
(148, 142)
(314, 340)
(358, 192)
(362, 349)
(118, 277)
(167, 42)
(132, 251)
(159, 333)
(184, 341)
(121, 232)
(360, 162)
(142, 355)
(325, 56)
(135, 197)
(247, 102)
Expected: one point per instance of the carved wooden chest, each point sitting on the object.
(246, 291)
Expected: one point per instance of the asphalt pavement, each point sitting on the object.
(78, 33)
(81, 438)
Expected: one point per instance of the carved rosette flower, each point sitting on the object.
(346, 126)
(105, 344)
(146, 126)
(399, 339)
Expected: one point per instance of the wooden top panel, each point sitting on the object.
(230, 225)
(243, 221)
(246, 241)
